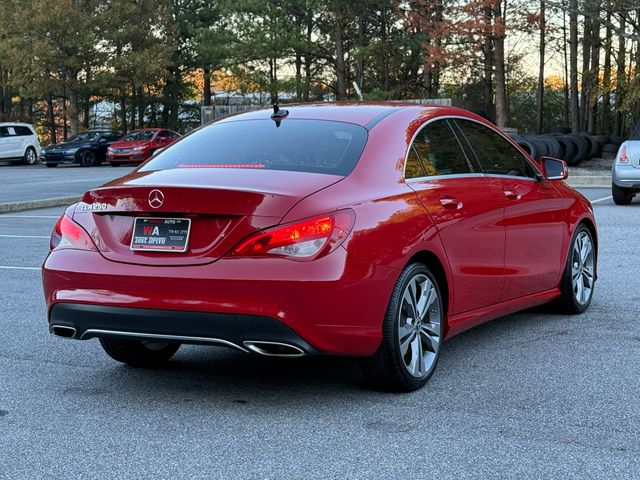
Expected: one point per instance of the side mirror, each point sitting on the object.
(554, 168)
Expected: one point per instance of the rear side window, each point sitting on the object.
(23, 131)
(439, 151)
(297, 145)
(496, 155)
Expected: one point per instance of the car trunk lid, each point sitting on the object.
(224, 206)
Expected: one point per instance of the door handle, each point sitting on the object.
(512, 194)
(451, 203)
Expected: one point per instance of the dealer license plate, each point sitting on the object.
(161, 234)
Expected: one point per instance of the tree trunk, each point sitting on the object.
(540, 95)
(51, 119)
(141, 106)
(605, 123)
(574, 107)
(487, 50)
(341, 89)
(65, 133)
(123, 112)
(618, 125)
(502, 110)
(206, 93)
(566, 69)
(592, 111)
(586, 57)
(306, 94)
(74, 120)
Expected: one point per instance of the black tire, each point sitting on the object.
(30, 156)
(139, 353)
(610, 148)
(561, 130)
(569, 149)
(51, 165)
(601, 139)
(567, 303)
(386, 369)
(594, 148)
(553, 147)
(88, 159)
(616, 140)
(113, 164)
(529, 147)
(582, 145)
(621, 196)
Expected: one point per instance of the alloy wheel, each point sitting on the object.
(583, 268)
(420, 326)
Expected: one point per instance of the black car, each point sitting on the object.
(87, 148)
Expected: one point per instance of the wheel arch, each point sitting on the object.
(433, 262)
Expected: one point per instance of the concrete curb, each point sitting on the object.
(35, 204)
(596, 181)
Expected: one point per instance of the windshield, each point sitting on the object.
(297, 145)
(85, 137)
(138, 135)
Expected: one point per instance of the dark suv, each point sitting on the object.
(87, 148)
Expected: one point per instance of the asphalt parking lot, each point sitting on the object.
(34, 182)
(531, 395)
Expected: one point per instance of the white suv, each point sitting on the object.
(18, 143)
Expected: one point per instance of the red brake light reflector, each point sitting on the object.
(302, 240)
(623, 158)
(68, 234)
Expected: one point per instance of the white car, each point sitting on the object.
(626, 172)
(18, 143)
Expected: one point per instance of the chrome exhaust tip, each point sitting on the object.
(274, 349)
(63, 331)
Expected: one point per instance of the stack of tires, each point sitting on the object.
(573, 148)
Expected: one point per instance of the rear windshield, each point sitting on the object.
(297, 145)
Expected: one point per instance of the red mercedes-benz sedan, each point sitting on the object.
(369, 230)
(138, 145)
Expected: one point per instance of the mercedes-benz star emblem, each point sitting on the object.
(156, 198)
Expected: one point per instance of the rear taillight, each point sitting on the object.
(623, 158)
(302, 240)
(68, 234)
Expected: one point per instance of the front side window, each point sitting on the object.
(298, 145)
(496, 155)
(438, 150)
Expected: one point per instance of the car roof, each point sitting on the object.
(366, 114)
(19, 124)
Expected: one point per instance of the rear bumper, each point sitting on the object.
(333, 305)
(626, 176)
(91, 321)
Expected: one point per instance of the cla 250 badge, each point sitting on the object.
(94, 206)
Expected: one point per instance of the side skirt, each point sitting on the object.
(464, 321)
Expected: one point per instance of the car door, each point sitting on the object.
(467, 210)
(533, 216)
(9, 143)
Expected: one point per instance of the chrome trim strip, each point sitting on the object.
(445, 177)
(158, 336)
(516, 177)
(462, 117)
(251, 345)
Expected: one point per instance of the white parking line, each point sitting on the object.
(8, 267)
(24, 236)
(602, 199)
(30, 216)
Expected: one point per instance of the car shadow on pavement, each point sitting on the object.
(217, 376)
